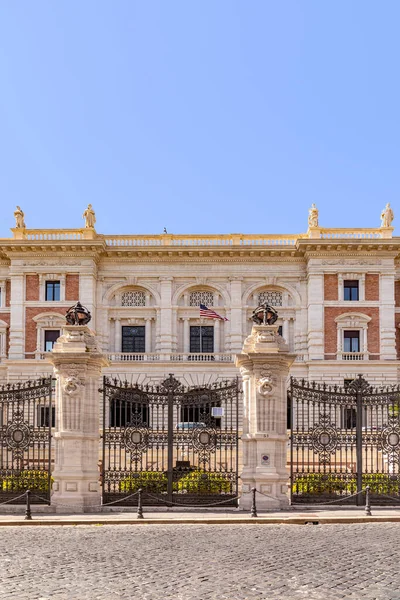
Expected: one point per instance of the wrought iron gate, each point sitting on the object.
(178, 444)
(25, 439)
(343, 439)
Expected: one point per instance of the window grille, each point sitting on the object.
(133, 299)
(197, 298)
(272, 298)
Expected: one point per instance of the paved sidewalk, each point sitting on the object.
(295, 516)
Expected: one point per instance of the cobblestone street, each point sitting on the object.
(202, 562)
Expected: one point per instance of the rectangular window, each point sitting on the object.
(280, 330)
(202, 339)
(50, 337)
(350, 290)
(133, 339)
(351, 341)
(52, 291)
(43, 416)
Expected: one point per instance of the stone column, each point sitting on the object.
(217, 335)
(165, 315)
(315, 316)
(387, 317)
(118, 335)
(186, 335)
(148, 335)
(17, 336)
(264, 364)
(236, 335)
(77, 365)
(285, 329)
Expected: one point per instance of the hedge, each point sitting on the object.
(201, 482)
(27, 480)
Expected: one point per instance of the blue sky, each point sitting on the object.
(202, 117)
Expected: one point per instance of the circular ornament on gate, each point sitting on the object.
(393, 439)
(18, 435)
(204, 438)
(324, 439)
(136, 438)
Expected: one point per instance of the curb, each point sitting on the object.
(207, 521)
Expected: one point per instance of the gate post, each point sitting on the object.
(77, 365)
(264, 364)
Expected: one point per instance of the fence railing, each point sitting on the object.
(169, 357)
(360, 234)
(182, 240)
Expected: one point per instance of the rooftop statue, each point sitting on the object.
(313, 216)
(90, 217)
(387, 216)
(264, 315)
(19, 218)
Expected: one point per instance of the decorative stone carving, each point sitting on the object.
(72, 385)
(313, 216)
(90, 217)
(387, 216)
(19, 218)
(264, 386)
(340, 262)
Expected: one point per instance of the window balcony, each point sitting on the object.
(352, 356)
(170, 357)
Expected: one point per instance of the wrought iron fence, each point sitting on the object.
(344, 439)
(26, 414)
(176, 443)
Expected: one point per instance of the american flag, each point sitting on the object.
(207, 313)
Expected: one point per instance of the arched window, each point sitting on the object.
(133, 298)
(201, 297)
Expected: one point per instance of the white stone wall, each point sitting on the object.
(235, 283)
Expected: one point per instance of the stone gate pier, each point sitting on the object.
(264, 365)
(77, 366)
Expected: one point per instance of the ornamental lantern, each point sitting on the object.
(78, 315)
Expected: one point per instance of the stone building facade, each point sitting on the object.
(337, 292)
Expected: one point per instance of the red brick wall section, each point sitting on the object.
(371, 287)
(397, 292)
(330, 287)
(6, 317)
(72, 287)
(30, 325)
(331, 312)
(8, 292)
(397, 325)
(32, 287)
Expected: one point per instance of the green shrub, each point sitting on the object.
(316, 484)
(379, 483)
(201, 482)
(149, 481)
(37, 481)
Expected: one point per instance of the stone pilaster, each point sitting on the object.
(264, 364)
(77, 365)
(165, 343)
